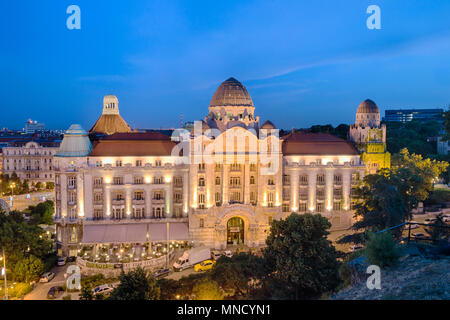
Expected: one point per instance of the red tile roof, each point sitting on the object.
(133, 144)
(307, 143)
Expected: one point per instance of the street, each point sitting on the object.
(41, 289)
(21, 202)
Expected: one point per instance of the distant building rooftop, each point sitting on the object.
(406, 115)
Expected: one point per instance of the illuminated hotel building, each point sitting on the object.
(133, 187)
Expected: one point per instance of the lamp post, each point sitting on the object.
(4, 270)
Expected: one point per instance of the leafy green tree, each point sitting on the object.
(169, 288)
(239, 275)
(446, 135)
(426, 170)
(42, 213)
(28, 269)
(50, 185)
(382, 250)
(207, 290)
(413, 135)
(301, 262)
(437, 230)
(86, 292)
(380, 206)
(136, 285)
(20, 239)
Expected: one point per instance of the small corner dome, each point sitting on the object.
(76, 143)
(268, 125)
(110, 98)
(368, 106)
(231, 93)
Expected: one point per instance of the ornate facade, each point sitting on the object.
(221, 184)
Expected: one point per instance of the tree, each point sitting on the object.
(42, 213)
(136, 285)
(446, 135)
(207, 290)
(413, 135)
(86, 292)
(381, 249)
(238, 275)
(20, 239)
(28, 269)
(437, 230)
(380, 206)
(415, 176)
(50, 185)
(301, 262)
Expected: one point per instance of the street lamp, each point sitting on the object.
(4, 274)
(12, 185)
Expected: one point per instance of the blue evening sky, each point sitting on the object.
(303, 62)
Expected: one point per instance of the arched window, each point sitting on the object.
(252, 180)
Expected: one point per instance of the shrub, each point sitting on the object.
(345, 274)
(19, 290)
(28, 269)
(382, 250)
(68, 297)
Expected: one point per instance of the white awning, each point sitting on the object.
(125, 233)
(114, 233)
(178, 231)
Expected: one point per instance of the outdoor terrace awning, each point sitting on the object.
(178, 231)
(128, 233)
(115, 233)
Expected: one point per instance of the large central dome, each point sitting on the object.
(231, 93)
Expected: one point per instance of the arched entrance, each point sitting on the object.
(235, 231)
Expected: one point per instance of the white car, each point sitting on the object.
(228, 253)
(103, 289)
(413, 225)
(47, 277)
(355, 247)
(215, 255)
(61, 261)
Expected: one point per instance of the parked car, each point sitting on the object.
(228, 253)
(103, 289)
(215, 255)
(204, 265)
(47, 277)
(355, 247)
(61, 261)
(71, 259)
(54, 292)
(161, 273)
(413, 225)
(419, 235)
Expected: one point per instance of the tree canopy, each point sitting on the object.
(301, 262)
(136, 285)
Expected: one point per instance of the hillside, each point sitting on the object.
(415, 277)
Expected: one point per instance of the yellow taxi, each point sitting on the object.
(204, 265)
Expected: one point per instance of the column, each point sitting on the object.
(128, 196)
(329, 186)
(294, 176)
(312, 177)
(346, 187)
(80, 195)
(108, 200)
(225, 184)
(63, 188)
(148, 201)
(246, 183)
(185, 193)
(169, 210)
